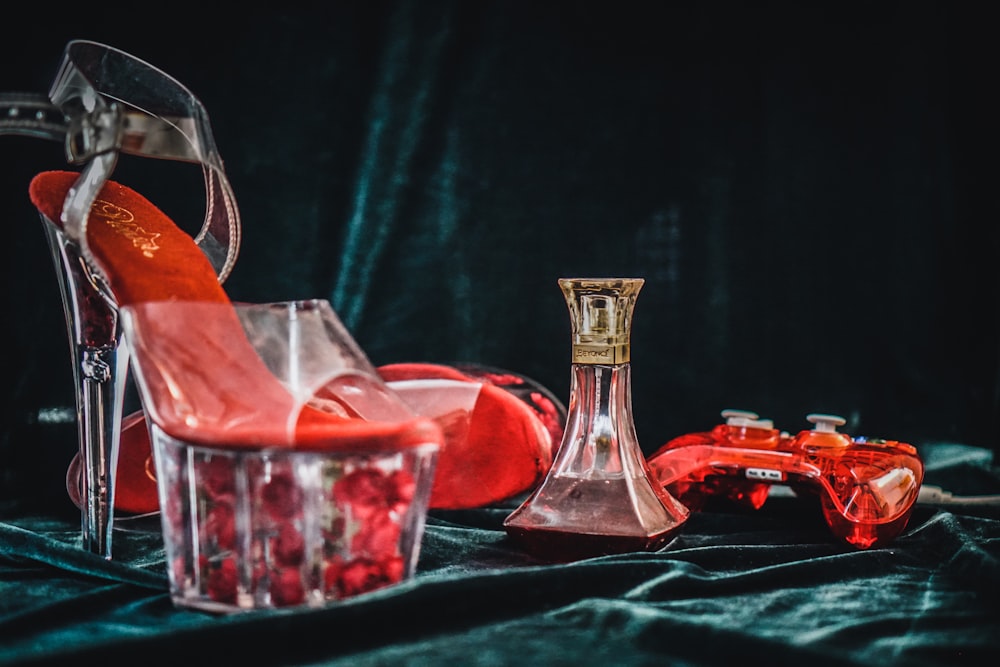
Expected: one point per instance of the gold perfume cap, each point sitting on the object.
(601, 317)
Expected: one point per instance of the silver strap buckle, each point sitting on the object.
(94, 133)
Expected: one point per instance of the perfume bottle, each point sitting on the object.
(598, 497)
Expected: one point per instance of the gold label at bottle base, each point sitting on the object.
(584, 353)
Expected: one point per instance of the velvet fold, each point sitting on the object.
(732, 584)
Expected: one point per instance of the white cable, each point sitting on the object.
(935, 495)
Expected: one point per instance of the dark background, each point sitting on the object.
(809, 190)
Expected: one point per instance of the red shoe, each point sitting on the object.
(503, 447)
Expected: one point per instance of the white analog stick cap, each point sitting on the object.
(738, 414)
(746, 419)
(826, 423)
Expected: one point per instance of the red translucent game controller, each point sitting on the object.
(866, 487)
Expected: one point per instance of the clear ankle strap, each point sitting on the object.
(104, 102)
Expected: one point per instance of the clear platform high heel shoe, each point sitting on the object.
(288, 473)
(105, 103)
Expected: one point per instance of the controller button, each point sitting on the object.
(825, 423)
(746, 419)
(824, 433)
(729, 415)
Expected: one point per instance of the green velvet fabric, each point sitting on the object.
(764, 587)
(805, 187)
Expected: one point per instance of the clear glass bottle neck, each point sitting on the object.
(600, 439)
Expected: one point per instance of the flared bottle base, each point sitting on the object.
(570, 517)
